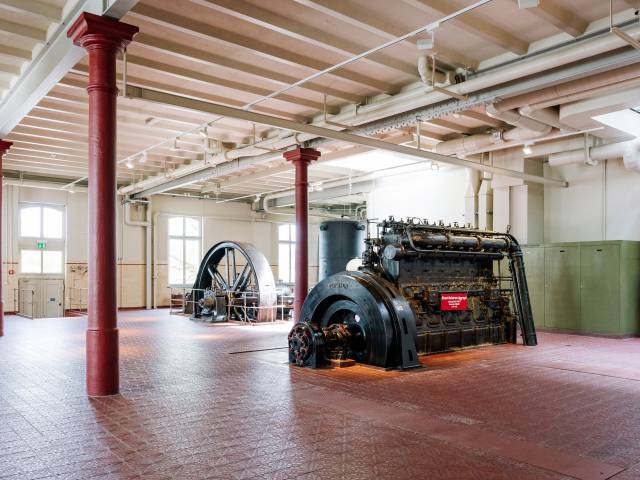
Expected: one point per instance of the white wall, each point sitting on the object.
(229, 221)
(432, 194)
(601, 203)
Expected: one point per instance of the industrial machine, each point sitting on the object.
(235, 282)
(339, 242)
(423, 288)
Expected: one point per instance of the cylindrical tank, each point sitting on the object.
(340, 241)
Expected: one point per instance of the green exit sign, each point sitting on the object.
(41, 245)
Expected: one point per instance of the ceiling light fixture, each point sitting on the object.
(129, 164)
(527, 149)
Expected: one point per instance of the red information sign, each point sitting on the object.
(453, 301)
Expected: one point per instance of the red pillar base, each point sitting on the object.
(102, 362)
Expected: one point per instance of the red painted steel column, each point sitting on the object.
(4, 146)
(102, 38)
(301, 158)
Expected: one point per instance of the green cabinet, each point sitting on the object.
(590, 287)
(562, 287)
(600, 288)
(534, 267)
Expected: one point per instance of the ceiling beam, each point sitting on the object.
(308, 33)
(9, 69)
(473, 25)
(167, 47)
(52, 62)
(170, 88)
(34, 7)
(197, 76)
(15, 53)
(23, 31)
(556, 15)
(275, 53)
(364, 19)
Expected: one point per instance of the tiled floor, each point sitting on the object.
(194, 406)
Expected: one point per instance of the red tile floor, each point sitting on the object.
(198, 401)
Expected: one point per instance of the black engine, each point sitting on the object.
(422, 289)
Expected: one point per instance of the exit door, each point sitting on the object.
(41, 297)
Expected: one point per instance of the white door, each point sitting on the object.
(29, 297)
(52, 298)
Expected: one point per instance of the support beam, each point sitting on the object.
(563, 20)
(23, 31)
(103, 39)
(4, 147)
(167, 47)
(321, 132)
(208, 80)
(168, 19)
(301, 158)
(15, 53)
(473, 25)
(34, 7)
(318, 37)
(365, 19)
(52, 62)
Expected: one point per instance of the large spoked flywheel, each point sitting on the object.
(238, 275)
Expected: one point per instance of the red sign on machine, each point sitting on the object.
(453, 301)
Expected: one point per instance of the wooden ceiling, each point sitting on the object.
(235, 51)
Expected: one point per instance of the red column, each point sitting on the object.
(102, 38)
(4, 146)
(301, 158)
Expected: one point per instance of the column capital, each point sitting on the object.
(90, 30)
(4, 146)
(306, 155)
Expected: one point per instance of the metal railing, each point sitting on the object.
(180, 302)
(23, 297)
(78, 300)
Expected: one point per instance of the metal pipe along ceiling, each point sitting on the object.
(315, 131)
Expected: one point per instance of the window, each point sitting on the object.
(184, 250)
(41, 239)
(286, 252)
(41, 261)
(41, 222)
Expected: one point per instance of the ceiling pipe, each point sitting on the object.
(558, 93)
(513, 117)
(629, 151)
(198, 105)
(549, 116)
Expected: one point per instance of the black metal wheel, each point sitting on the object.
(241, 273)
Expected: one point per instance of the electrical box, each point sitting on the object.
(588, 287)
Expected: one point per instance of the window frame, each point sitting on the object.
(290, 243)
(53, 244)
(183, 239)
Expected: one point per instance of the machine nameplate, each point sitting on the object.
(453, 301)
